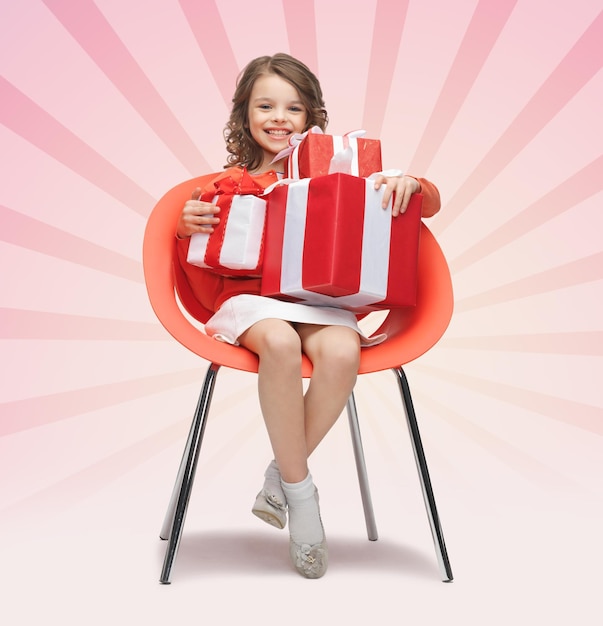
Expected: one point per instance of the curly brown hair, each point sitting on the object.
(243, 149)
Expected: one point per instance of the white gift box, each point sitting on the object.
(236, 243)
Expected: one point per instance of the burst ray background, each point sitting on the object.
(103, 107)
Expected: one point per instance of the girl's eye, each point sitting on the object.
(296, 109)
(264, 107)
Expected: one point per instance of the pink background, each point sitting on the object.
(106, 105)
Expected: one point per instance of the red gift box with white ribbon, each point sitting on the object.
(329, 242)
(236, 245)
(313, 154)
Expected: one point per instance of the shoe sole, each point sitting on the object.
(269, 518)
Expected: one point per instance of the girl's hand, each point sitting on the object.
(402, 186)
(197, 216)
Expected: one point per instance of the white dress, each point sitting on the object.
(241, 312)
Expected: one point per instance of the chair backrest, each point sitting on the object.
(411, 331)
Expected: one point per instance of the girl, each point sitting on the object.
(276, 97)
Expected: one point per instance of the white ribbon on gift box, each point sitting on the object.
(375, 249)
(242, 236)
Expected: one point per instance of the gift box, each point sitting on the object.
(329, 242)
(316, 154)
(236, 245)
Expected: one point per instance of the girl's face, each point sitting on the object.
(275, 113)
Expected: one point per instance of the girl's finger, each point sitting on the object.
(379, 181)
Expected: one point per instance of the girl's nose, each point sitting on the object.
(278, 115)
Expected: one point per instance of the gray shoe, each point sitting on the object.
(309, 561)
(269, 508)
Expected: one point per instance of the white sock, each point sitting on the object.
(305, 526)
(272, 483)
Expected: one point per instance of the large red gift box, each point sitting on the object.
(317, 154)
(236, 245)
(329, 242)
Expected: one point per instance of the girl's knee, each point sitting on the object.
(281, 342)
(341, 352)
(347, 355)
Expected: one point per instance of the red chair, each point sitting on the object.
(411, 332)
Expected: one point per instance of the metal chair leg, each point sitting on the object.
(176, 514)
(430, 505)
(168, 520)
(367, 503)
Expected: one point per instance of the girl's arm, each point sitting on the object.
(431, 197)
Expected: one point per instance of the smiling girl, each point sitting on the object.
(276, 97)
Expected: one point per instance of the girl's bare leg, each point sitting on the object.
(278, 347)
(335, 355)
(296, 424)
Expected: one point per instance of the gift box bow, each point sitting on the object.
(235, 182)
